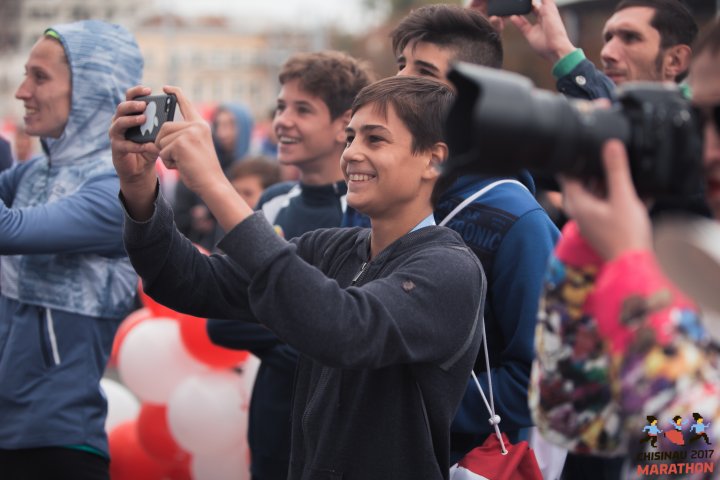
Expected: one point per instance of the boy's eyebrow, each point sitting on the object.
(418, 63)
(367, 129)
(428, 65)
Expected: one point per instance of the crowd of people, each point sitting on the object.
(329, 263)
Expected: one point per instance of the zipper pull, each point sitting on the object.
(358, 274)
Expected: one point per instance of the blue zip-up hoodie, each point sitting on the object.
(66, 281)
(513, 237)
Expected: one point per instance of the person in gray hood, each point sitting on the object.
(66, 280)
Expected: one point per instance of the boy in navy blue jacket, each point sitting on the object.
(313, 109)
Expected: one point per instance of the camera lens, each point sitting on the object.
(500, 124)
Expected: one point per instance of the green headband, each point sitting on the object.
(52, 33)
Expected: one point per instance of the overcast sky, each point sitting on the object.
(347, 14)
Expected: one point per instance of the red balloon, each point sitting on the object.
(180, 470)
(194, 336)
(128, 459)
(126, 325)
(155, 437)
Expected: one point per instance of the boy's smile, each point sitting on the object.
(383, 175)
(306, 133)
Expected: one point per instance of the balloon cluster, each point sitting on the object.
(180, 412)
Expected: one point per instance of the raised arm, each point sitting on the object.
(134, 162)
(86, 221)
(576, 76)
(547, 36)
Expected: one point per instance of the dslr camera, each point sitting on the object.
(500, 123)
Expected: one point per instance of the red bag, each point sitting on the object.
(487, 462)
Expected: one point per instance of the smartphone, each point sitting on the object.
(505, 8)
(159, 109)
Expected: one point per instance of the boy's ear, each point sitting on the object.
(342, 122)
(438, 155)
(676, 60)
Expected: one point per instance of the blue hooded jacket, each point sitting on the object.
(513, 237)
(66, 280)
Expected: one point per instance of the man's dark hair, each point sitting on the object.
(335, 77)
(464, 30)
(708, 40)
(420, 103)
(672, 19)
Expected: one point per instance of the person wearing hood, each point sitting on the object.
(232, 126)
(66, 280)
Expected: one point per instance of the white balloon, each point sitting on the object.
(207, 414)
(152, 360)
(122, 404)
(228, 466)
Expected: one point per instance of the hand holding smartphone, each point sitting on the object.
(506, 8)
(159, 109)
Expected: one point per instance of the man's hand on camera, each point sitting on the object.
(547, 36)
(134, 162)
(616, 222)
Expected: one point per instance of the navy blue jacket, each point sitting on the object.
(513, 237)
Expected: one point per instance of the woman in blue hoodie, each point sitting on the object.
(66, 281)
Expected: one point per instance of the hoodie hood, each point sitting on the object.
(243, 126)
(104, 62)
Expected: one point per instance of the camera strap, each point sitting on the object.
(475, 196)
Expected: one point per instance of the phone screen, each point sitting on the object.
(505, 8)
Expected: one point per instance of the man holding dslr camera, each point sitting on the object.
(617, 335)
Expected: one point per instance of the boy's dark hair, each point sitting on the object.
(676, 418)
(420, 103)
(334, 77)
(672, 20)
(709, 40)
(464, 30)
(651, 419)
(697, 416)
(268, 170)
